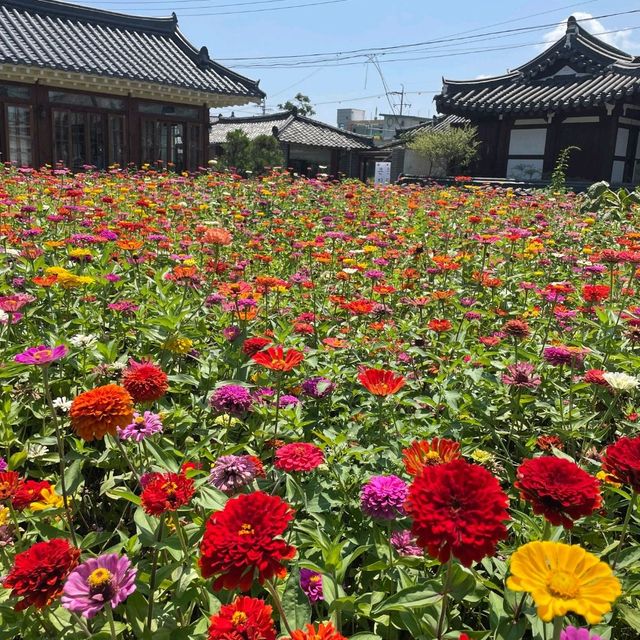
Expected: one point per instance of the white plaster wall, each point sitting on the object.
(527, 142)
(525, 168)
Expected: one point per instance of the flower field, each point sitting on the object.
(249, 409)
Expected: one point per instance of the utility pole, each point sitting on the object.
(401, 94)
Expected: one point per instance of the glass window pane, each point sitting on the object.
(86, 100)
(61, 137)
(19, 129)
(116, 140)
(97, 155)
(195, 145)
(12, 91)
(158, 109)
(78, 140)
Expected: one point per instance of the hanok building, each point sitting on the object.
(580, 92)
(308, 146)
(81, 86)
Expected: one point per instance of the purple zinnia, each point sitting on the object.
(231, 333)
(318, 387)
(3, 465)
(231, 473)
(562, 355)
(288, 401)
(521, 375)
(232, 399)
(141, 427)
(383, 496)
(108, 579)
(311, 584)
(405, 543)
(573, 633)
(42, 355)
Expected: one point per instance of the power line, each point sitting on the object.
(229, 13)
(368, 51)
(318, 64)
(174, 2)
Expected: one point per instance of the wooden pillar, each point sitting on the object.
(133, 151)
(204, 154)
(42, 127)
(609, 133)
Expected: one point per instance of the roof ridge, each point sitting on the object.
(329, 126)
(81, 12)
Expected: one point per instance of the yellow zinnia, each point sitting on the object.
(562, 578)
(49, 499)
(4, 516)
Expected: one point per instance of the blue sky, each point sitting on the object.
(345, 25)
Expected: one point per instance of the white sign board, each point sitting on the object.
(383, 173)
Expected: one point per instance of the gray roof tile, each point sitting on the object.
(58, 35)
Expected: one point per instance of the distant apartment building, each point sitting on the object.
(382, 127)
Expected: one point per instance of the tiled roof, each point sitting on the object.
(578, 71)
(438, 123)
(57, 35)
(292, 128)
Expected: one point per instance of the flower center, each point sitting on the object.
(139, 420)
(99, 577)
(278, 363)
(432, 457)
(563, 585)
(238, 618)
(315, 578)
(170, 488)
(246, 530)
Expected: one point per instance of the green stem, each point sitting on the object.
(60, 441)
(445, 600)
(152, 578)
(557, 627)
(278, 603)
(112, 626)
(181, 534)
(625, 526)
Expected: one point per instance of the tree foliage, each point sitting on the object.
(251, 156)
(299, 104)
(452, 149)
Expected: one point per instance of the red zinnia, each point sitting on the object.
(39, 573)
(439, 325)
(144, 381)
(276, 359)
(558, 489)
(458, 509)
(9, 482)
(27, 492)
(594, 376)
(622, 461)
(381, 382)
(424, 453)
(167, 492)
(595, 293)
(298, 456)
(251, 346)
(323, 631)
(242, 541)
(244, 619)
(517, 329)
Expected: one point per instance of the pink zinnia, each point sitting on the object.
(298, 456)
(41, 355)
(107, 579)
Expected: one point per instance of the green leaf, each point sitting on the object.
(630, 616)
(295, 602)
(416, 597)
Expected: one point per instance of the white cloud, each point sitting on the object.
(623, 39)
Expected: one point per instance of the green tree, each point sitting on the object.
(300, 104)
(452, 149)
(266, 153)
(237, 151)
(244, 155)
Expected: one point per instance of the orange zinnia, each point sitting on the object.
(101, 410)
(321, 631)
(276, 359)
(381, 382)
(423, 453)
(220, 237)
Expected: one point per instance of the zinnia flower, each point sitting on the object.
(621, 381)
(405, 543)
(242, 542)
(244, 619)
(423, 452)
(100, 411)
(383, 497)
(141, 427)
(276, 359)
(107, 579)
(381, 382)
(558, 489)
(298, 456)
(521, 375)
(311, 584)
(166, 492)
(38, 574)
(458, 509)
(572, 633)
(231, 399)
(562, 355)
(231, 473)
(144, 381)
(42, 355)
(321, 631)
(621, 460)
(9, 483)
(318, 387)
(252, 345)
(3, 465)
(563, 578)
(516, 329)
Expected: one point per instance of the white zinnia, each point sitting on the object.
(62, 403)
(621, 381)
